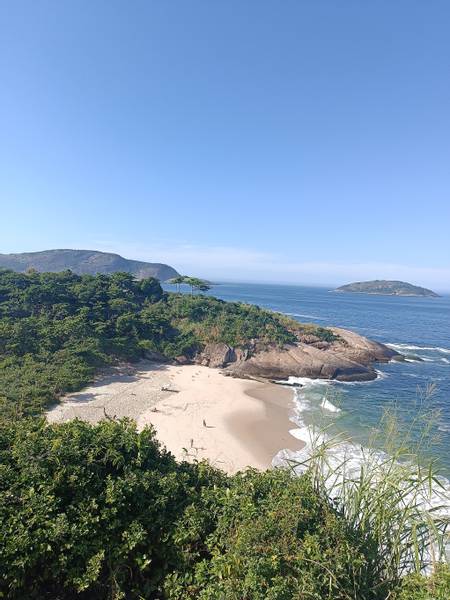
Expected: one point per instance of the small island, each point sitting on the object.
(383, 287)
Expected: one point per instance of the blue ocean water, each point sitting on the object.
(414, 326)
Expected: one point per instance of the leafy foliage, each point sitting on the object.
(103, 512)
(193, 282)
(236, 324)
(57, 328)
(274, 538)
(419, 587)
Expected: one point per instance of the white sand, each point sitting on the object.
(233, 423)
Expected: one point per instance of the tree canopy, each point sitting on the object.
(193, 282)
(57, 329)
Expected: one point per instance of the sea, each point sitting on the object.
(417, 390)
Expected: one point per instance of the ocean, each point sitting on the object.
(416, 327)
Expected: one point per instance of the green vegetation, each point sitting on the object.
(392, 495)
(56, 329)
(193, 282)
(102, 512)
(212, 320)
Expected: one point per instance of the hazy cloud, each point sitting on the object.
(232, 263)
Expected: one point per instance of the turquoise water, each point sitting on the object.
(414, 326)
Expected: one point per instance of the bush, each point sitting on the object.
(89, 512)
(103, 512)
(274, 539)
(419, 587)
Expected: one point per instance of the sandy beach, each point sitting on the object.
(197, 412)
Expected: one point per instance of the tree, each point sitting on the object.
(177, 281)
(194, 282)
(199, 284)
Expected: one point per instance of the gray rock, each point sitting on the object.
(182, 360)
(217, 355)
(350, 358)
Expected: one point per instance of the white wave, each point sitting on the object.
(327, 405)
(305, 316)
(307, 381)
(345, 459)
(354, 457)
(412, 347)
(415, 358)
(446, 361)
(381, 374)
(301, 433)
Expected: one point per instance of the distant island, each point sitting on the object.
(383, 287)
(81, 262)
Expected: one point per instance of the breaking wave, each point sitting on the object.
(347, 456)
(291, 314)
(401, 347)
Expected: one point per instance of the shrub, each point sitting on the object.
(274, 539)
(103, 512)
(419, 587)
(89, 512)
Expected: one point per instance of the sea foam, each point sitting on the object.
(346, 458)
(327, 405)
(401, 347)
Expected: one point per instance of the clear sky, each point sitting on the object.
(294, 141)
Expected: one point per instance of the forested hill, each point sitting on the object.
(56, 329)
(85, 262)
(382, 287)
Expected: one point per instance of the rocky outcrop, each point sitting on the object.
(216, 355)
(383, 287)
(359, 348)
(348, 358)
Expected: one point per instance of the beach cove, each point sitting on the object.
(197, 412)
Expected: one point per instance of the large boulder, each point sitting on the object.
(349, 358)
(361, 349)
(301, 360)
(217, 355)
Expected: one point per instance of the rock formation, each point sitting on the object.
(348, 358)
(382, 287)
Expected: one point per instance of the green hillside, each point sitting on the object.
(104, 513)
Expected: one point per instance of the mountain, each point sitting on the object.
(84, 262)
(383, 287)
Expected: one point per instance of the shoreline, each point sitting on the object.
(198, 413)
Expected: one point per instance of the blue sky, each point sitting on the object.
(295, 141)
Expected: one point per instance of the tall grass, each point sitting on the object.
(391, 495)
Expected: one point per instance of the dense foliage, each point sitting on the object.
(57, 328)
(102, 512)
